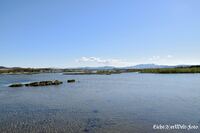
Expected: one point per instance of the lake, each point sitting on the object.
(118, 103)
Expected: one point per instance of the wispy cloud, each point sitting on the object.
(158, 58)
(169, 56)
(106, 62)
(154, 58)
(96, 61)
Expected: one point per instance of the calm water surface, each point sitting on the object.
(121, 103)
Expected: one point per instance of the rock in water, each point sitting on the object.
(41, 83)
(57, 82)
(71, 81)
(45, 83)
(16, 85)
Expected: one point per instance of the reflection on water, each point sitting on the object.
(99, 103)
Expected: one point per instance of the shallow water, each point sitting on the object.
(121, 103)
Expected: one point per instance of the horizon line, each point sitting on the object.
(98, 66)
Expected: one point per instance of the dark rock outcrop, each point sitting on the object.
(16, 85)
(41, 83)
(44, 83)
(71, 81)
(57, 82)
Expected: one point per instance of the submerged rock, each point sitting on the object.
(16, 85)
(45, 83)
(71, 80)
(41, 83)
(57, 82)
(32, 84)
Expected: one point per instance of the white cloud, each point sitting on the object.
(169, 56)
(159, 58)
(105, 62)
(96, 61)
(154, 58)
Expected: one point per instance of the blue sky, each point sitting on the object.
(73, 33)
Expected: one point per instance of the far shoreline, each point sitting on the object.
(30, 71)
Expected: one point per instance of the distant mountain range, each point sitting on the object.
(139, 66)
(2, 67)
(145, 66)
(98, 68)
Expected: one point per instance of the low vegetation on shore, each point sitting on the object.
(188, 69)
(192, 69)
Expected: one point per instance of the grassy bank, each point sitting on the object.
(193, 69)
